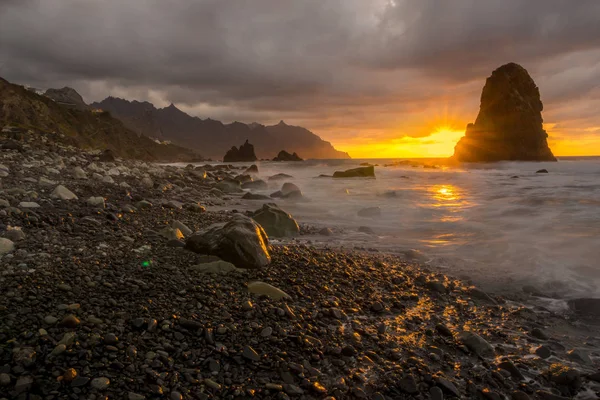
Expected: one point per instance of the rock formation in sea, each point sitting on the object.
(244, 154)
(509, 123)
(285, 156)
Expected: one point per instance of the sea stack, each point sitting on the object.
(244, 154)
(509, 124)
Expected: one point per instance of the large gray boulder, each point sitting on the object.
(240, 241)
(362, 172)
(275, 221)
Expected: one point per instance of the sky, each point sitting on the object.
(377, 78)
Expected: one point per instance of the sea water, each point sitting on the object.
(502, 224)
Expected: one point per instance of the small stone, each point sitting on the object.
(135, 396)
(580, 356)
(436, 393)
(70, 321)
(212, 384)
(100, 383)
(250, 354)
(6, 246)
(58, 350)
(50, 320)
(477, 344)
(80, 381)
(69, 375)
(111, 339)
(543, 352)
(23, 384)
(274, 387)
(175, 396)
(61, 192)
(408, 384)
(262, 288)
(292, 390)
(448, 386)
(539, 334)
(318, 388)
(266, 332)
(247, 305)
(96, 202)
(4, 379)
(65, 287)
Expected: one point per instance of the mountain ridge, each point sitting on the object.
(84, 128)
(214, 138)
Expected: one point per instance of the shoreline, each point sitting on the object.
(103, 303)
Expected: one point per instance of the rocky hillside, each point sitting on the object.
(509, 123)
(213, 138)
(83, 128)
(67, 97)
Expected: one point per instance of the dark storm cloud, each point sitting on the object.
(323, 61)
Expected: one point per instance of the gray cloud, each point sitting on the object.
(379, 65)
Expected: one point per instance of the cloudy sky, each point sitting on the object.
(375, 77)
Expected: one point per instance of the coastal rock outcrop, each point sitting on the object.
(285, 156)
(240, 241)
(244, 154)
(275, 221)
(509, 124)
(361, 172)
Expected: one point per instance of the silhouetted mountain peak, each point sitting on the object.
(213, 138)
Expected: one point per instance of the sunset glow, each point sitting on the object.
(439, 143)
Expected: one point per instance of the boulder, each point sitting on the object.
(182, 227)
(244, 178)
(275, 221)
(361, 172)
(228, 185)
(241, 241)
(477, 344)
(61, 192)
(541, 171)
(285, 156)
(107, 156)
(79, 173)
(278, 177)
(253, 169)
(509, 123)
(258, 184)
(243, 154)
(370, 212)
(288, 188)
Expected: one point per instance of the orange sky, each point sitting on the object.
(441, 143)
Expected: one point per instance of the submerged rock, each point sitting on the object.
(361, 172)
(585, 306)
(370, 212)
(254, 196)
(509, 123)
(244, 153)
(275, 221)
(240, 241)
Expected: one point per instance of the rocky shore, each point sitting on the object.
(101, 298)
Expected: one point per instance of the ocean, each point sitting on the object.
(503, 225)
